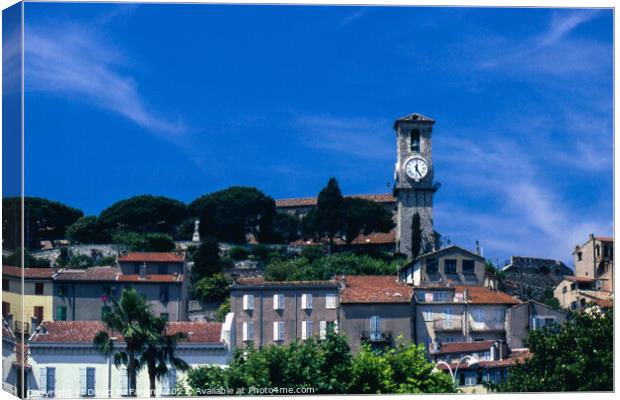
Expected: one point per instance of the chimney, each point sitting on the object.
(477, 247)
(143, 271)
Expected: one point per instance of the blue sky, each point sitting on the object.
(181, 100)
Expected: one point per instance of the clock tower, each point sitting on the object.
(413, 186)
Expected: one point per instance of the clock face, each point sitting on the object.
(416, 168)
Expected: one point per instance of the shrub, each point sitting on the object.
(212, 288)
(238, 253)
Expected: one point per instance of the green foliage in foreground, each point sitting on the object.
(577, 356)
(311, 268)
(327, 366)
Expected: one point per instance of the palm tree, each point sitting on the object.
(144, 337)
(159, 352)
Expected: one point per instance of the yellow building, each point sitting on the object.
(25, 307)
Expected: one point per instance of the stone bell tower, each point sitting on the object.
(413, 176)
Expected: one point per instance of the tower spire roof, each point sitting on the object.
(415, 117)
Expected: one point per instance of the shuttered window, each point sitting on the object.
(248, 331)
(330, 301)
(278, 331)
(306, 301)
(323, 329)
(278, 301)
(47, 381)
(248, 302)
(306, 330)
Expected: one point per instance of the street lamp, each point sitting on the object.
(472, 362)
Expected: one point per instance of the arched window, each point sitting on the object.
(415, 140)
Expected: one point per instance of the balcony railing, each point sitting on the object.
(448, 325)
(377, 337)
(486, 326)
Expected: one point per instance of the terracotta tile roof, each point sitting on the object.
(67, 332)
(311, 201)
(152, 278)
(89, 274)
(83, 332)
(376, 238)
(482, 295)
(260, 282)
(517, 356)
(29, 273)
(579, 278)
(374, 289)
(6, 331)
(152, 257)
(197, 332)
(465, 347)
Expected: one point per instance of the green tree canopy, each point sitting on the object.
(140, 242)
(215, 288)
(206, 259)
(364, 216)
(329, 216)
(87, 230)
(15, 259)
(284, 229)
(575, 356)
(144, 214)
(230, 214)
(43, 219)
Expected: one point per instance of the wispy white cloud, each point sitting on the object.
(351, 18)
(359, 137)
(562, 24)
(72, 61)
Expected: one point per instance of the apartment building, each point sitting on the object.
(595, 259)
(280, 312)
(64, 362)
(84, 294)
(576, 292)
(25, 307)
(451, 264)
(445, 314)
(529, 316)
(375, 310)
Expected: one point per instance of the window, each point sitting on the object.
(164, 295)
(248, 302)
(48, 381)
(440, 296)
(598, 250)
(124, 382)
(579, 256)
(572, 286)
(427, 314)
(573, 305)
(306, 301)
(448, 314)
(540, 322)
(499, 315)
(375, 327)
(415, 140)
(61, 313)
(6, 309)
(322, 330)
(278, 302)
(38, 314)
(564, 289)
(468, 266)
(136, 269)
(330, 301)
(431, 266)
(582, 302)
(62, 290)
(248, 331)
(449, 266)
(87, 382)
(38, 288)
(278, 331)
(6, 285)
(306, 330)
(471, 378)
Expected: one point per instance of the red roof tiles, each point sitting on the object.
(72, 332)
(263, 283)
(89, 274)
(153, 278)
(375, 289)
(152, 257)
(482, 295)
(311, 201)
(29, 273)
(465, 347)
(517, 357)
